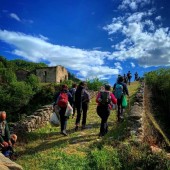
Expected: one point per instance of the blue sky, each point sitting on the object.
(91, 38)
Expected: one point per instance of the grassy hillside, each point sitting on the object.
(46, 149)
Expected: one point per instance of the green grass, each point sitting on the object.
(46, 149)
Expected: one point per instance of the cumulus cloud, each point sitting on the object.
(143, 40)
(118, 65)
(89, 64)
(132, 64)
(133, 4)
(15, 16)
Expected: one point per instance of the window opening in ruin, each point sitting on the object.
(45, 76)
(65, 77)
(60, 81)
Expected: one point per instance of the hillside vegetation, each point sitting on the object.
(47, 149)
(19, 98)
(159, 85)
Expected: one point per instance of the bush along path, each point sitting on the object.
(47, 149)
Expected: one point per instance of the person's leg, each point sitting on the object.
(85, 108)
(119, 109)
(63, 121)
(103, 112)
(99, 112)
(79, 110)
(74, 110)
(105, 118)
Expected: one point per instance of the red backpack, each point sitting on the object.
(62, 100)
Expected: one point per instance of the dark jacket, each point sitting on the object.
(4, 131)
(81, 96)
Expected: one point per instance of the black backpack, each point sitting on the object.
(105, 98)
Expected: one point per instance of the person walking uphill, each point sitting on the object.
(120, 89)
(61, 99)
(104, 99)
(129, 76)
(82, 99)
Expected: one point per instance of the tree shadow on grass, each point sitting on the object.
(62, 141)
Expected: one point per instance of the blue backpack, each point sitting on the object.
(118, 91)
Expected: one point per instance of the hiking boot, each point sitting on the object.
(76, 128)
(83, 127)
(101, 134)
(64, 133)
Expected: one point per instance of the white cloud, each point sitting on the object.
(143, 40)
(89, 64)
(118, 65)
(134, 5)
(158, 18)
(15, 16)
(132, 64)
(114, 27)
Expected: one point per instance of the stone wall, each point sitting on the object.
(52, 74)
(46, 74)
(61, 74)
(30, 123)
(136, 115)
(22, 74)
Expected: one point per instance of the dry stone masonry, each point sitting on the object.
(136, 115)
(33, 122)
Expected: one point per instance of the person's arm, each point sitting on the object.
(114, 86)
(113, 98)
(126, 90)
(97, 98)
(1, 139)
(70, 97)
(7, 132)
(88, 96)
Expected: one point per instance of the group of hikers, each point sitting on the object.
(127, 77)
(79, 98)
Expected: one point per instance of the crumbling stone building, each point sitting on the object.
(22, 74)
(55, 74)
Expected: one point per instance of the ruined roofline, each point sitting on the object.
(51, 67)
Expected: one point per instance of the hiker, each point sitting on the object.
(61, 100)
(136, 76)
(7, 141)
(125, 79)
(104, 99)
(120, 89)
(129, 76)
(73, 91)
(82, 99)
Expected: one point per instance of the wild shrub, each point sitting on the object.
(95, 84)
(159, 83)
